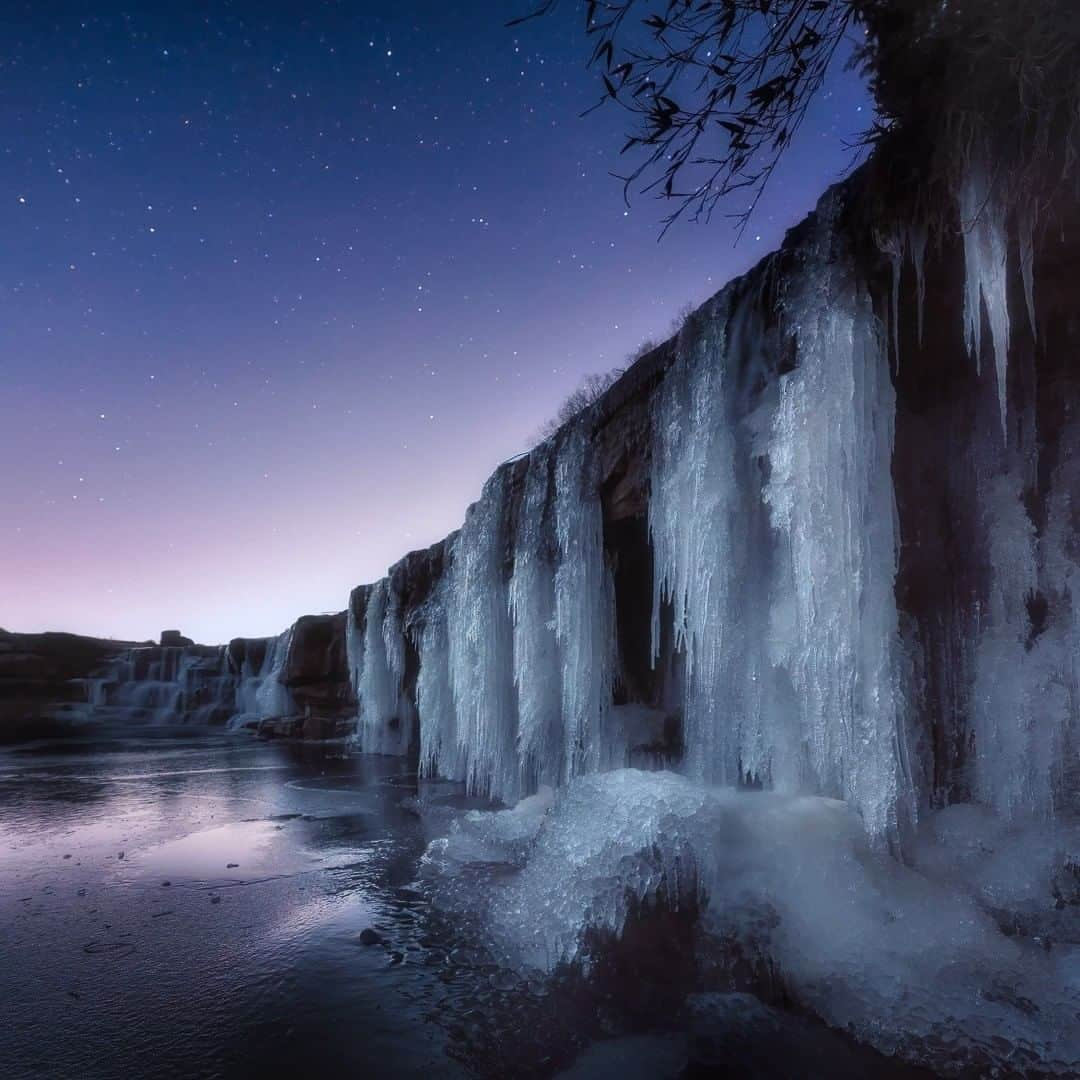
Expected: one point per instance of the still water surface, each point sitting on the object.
(193, 907)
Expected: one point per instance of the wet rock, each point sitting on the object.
(368, 936)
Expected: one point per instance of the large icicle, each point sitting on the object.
(272, 697)
(774, 531)
(439, 751)
(537, 669)
(480, 647)
(834, 620)
(584, 607)
(705, 519)
(383, 728)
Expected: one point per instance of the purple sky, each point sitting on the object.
(278, 293)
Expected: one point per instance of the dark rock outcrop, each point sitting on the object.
(316, 668)
(43, 680)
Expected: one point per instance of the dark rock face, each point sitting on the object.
(316, 668)
(174, 639)
(43, 680)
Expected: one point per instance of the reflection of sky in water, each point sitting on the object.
(222, 964)
(110, 966)
(246, 847)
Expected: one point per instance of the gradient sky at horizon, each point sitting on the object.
(278, 291)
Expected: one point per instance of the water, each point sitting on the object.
(193, 905)
(198, 902)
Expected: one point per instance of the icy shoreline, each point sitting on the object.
(906, 959)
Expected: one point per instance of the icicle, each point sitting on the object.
(434, 699)
(1027, 218)
(709, 531)
(983, 222)
(394, 640)
(383, 726)
(780, 579)
(584, 607)
(1027, 679)
(354, 637)
(917, 236)
(537, 668)
(272, 699)
(835, 633)
(480, 648)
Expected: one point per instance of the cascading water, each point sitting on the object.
(198, 684)
(272, 696)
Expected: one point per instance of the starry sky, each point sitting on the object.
(281, 284)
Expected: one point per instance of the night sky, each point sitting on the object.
(280, 290)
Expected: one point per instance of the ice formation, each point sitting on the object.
(271, 696)
(480, 647)
(384, 715)
(904, 959)
(1027, 676)
(193, 684)
(983, 222)
(434, 698)
(774, 531)
(532, 608)
(775, 541)
(584, 608)
(517, 645)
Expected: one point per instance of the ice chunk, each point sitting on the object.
(907, 964)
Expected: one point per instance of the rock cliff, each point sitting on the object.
(794, 544)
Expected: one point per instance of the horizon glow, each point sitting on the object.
(279, 293)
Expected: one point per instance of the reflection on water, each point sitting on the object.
(194, 908)
(218, 907)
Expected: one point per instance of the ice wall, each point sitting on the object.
(384, 713)
(1026, 694)
(774, 530)
(516, 643)
(764, 467)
